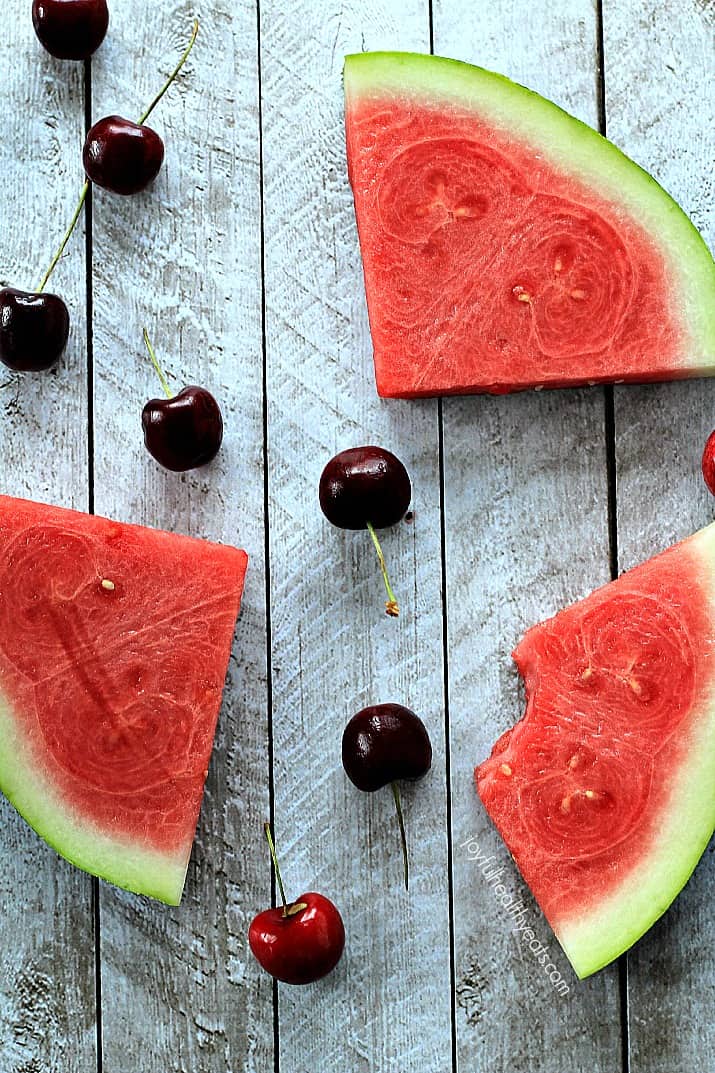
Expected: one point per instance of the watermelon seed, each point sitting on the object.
(108, 585)
(578, 295)
(505, 769)
(588, 673)
(635, 685)
(566, 804)
(558, 265)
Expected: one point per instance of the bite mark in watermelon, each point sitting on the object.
(605, 791)
(507, 245)
(114, 645)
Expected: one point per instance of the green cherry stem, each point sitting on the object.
(403, 836)
(157, 366)
(172, 77)
(391, 606)
(65, 240)
(296, 907)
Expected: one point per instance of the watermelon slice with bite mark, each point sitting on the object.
(114, 645)
(605, 791)
(506, 245)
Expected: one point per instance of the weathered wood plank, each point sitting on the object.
(526, 532)
(659, 74)
(333, 648)
(184, 259)
(47, 999)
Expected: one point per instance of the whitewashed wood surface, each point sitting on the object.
(243, 263)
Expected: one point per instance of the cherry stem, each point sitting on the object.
(274, 858)
(403, 836)
(157, 366)
(174, 74)
(65, 240)
(391, 607)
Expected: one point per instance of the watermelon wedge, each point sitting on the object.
(605, 791)
(114, 644)
(506, 245)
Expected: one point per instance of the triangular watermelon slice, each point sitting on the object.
(114, 644)
(506, 245)
(605, 791)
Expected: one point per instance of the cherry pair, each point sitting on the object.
(303, 941)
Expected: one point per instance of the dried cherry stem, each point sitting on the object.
(403, 836)
(65, 240)
(157, 366)
(172, 77)
(296, 907)
(391, 606)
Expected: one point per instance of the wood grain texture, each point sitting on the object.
(181, 992)
(387, 1007)
(659, 109)
(526, 533)
(47, 999)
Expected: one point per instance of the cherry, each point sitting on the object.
(384, 743)
(33, 329)
(301, 942)
(366, 488)
(70, 29)
(122, 156)
(708, 463)
(34, 326)
(183, 431)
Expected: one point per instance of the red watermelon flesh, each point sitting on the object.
(114, 645)
(506, 245)
(605, 791)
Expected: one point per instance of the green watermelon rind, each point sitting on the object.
(593, 939)
(574, 148)
(121, 862)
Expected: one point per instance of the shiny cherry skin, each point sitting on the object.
(300, 947)
(70, 29)
(708, 463)
(383, 744)
(122, 156)
(364, 484)
(184, 432)
(33, 329)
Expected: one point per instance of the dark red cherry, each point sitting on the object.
(708, 463)
(70, 29)
(364, 484)
(185, 431)
(33, 329)
(383, 744)
(122, 156)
